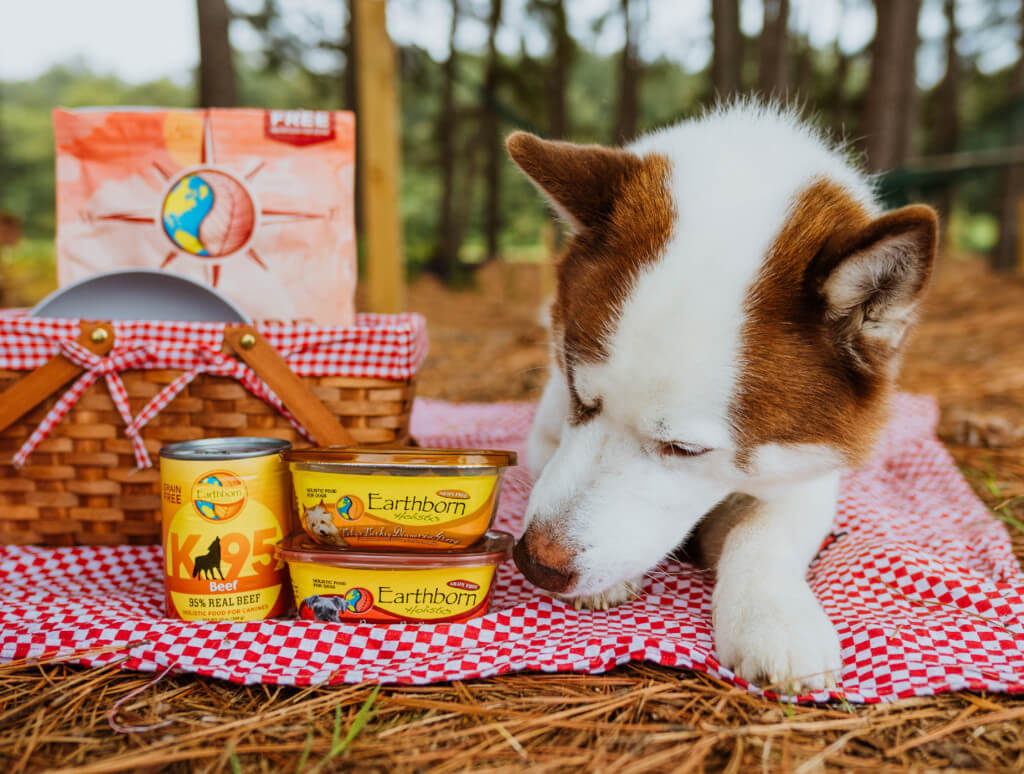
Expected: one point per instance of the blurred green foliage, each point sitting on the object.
(28, 271)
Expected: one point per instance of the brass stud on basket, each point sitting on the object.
(99, 335)
(248, 341)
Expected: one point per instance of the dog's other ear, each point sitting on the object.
(873, 284)
(582, 181)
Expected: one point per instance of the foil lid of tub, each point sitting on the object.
(493, 548)
(412, 456)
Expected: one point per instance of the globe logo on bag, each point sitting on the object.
(219, 495)
(208, 213)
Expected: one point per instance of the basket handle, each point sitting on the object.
(38, 385)
(248, 344)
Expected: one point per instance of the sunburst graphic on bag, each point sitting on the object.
(209, 212)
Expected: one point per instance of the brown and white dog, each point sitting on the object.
(728, 321)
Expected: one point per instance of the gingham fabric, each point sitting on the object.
(377, 346)
(921, 584)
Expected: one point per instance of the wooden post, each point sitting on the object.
(377, 71)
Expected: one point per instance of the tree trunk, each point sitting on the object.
(562, 50)
(216, 70)
(803, 70)
(444, 263)
(947, 110)
(1006, 255)
(774, 72)
(840, 106)
(350, 99)
(491, 136)
(891, 92)
(727, 51)
(629, 80)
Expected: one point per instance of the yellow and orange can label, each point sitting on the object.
(224, 509)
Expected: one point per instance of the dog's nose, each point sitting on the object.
(544, 561)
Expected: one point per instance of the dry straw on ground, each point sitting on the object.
(487, 345)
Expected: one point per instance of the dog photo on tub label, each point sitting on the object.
(322, 608)
(729, 315)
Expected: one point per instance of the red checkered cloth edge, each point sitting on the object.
(921, 583)
(377, 346)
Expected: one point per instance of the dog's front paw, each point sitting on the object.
(609, 598)
(783, 641)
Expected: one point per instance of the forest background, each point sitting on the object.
(929, 92)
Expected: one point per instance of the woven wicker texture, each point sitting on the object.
(81, 485)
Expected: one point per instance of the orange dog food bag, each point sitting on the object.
(256, 203)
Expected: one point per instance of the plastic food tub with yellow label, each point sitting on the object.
(399, 499)
(339, 585)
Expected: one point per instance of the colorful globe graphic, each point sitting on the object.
(349, 507)
(218, 496)
(358, 600)
(208, 213)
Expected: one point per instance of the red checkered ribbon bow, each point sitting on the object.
(211, 362)
(217, 363)
(95, 366)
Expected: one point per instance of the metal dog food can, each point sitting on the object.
(225, 506)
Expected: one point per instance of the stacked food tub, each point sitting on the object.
(395, 534)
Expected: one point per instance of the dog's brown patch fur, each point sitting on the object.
(625, 213)
(799, 384)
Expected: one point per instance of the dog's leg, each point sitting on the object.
(768, 624)
(546, 432)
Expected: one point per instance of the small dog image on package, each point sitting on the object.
(256, 203)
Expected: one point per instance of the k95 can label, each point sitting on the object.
(225, 507)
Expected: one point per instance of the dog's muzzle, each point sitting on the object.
(544, 561)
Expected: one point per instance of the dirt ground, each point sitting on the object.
(487, 344)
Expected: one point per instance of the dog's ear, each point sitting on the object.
(581, 181)
(873, 283)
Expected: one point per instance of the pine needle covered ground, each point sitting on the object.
(487, 344)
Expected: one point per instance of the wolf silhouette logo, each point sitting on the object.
(206, 564)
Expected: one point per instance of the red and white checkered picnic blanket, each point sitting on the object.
(377, 346)
(923, 588)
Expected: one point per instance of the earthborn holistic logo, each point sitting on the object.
(219, 496)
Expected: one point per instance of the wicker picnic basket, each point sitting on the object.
(85, 482)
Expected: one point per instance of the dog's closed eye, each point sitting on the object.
(679, 449)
